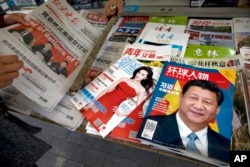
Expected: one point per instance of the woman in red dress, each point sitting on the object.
(139, 86)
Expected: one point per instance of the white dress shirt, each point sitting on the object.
(201, 143)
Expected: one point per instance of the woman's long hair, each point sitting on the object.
(149, 81)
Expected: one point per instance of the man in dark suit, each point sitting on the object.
(60, 68)
(199, 103)
(44, 51)
(24, 34)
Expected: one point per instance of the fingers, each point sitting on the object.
(5, 83)
(7, 79)
(13, 18)
(119, 12)
(9, 59)
(109, 9)
(20, 19)
(9, 67)
(120, 9)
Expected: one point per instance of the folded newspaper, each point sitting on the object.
(53, 48)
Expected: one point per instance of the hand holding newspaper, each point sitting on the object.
(53, 49)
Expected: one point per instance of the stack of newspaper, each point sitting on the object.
(53, 48)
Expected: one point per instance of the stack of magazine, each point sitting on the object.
(147, 69)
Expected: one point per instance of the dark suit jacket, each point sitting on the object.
(167, 134)
(47, 55)
(27, 38)
(56, 67)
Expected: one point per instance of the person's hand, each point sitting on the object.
(9, 67)
(12, 18)
(110, 11)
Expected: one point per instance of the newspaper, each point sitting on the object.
(94, 19)
(70, 39)
(9, 95)
(64, 114)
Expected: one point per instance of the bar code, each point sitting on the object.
(132, 134)
(110, 71)
(149, 129)
(97, 122)
(43, 99)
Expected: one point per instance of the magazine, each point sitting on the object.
(134, 21)
(111, 96)
(154, 57)
(124, 31)
(227, 62)
(53, 48)
(245, 53)
(211, 25)
(173, 20)
(178, 41)
(246, 81)
(167, 23)
(211, 38)
(158, 128)
(241, 108)
(125, 34)
(224, 62)
(241, 30)
(207, 51)
(128, 128)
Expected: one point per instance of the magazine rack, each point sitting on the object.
(222, 12)
(225, 12)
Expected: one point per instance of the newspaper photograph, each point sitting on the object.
(53, 48)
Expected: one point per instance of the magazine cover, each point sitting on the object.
(125, 34)
(213, 25)
(192, 99)
(128, 128)
(173, 20)
(208, 51)
(134, 21)
(212, 38)
(167, 23)
(245, 53)
(241, 27)
(154, 57)
(113, 94)
(241, 133)
(246, 77)
(164, 27)
(178, 41)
